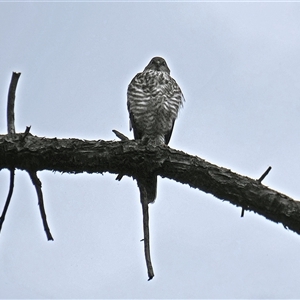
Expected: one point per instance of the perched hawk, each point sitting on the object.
(153, 100)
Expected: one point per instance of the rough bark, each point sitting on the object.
(130, 158)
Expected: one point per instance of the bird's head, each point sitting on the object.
(158, 64)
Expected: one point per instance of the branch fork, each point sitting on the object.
(35, 180)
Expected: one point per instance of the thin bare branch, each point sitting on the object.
(11, 103)
(10, 192)
(26, 132)
(146, 239)
(38, 186)
(263, 176)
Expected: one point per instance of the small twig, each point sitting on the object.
(11, 103)
(120, 135)
(38, 186)
(146, 238)
(119, 177)
(26, 132)
(10, 192)
(261, 178)
(242, 212)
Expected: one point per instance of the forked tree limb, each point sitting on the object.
(10, 130)
(131, 158)
(128, 157)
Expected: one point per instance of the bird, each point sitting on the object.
(153, 100)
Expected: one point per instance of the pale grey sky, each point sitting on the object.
(238, 66)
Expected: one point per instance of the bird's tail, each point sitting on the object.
(147, 186)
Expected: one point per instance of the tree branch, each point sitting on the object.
(11, 103)
(129, 157)
(38, 187)
(10, 130)
(10, 192)
(146, 239)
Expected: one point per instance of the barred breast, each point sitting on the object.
(153, 99)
